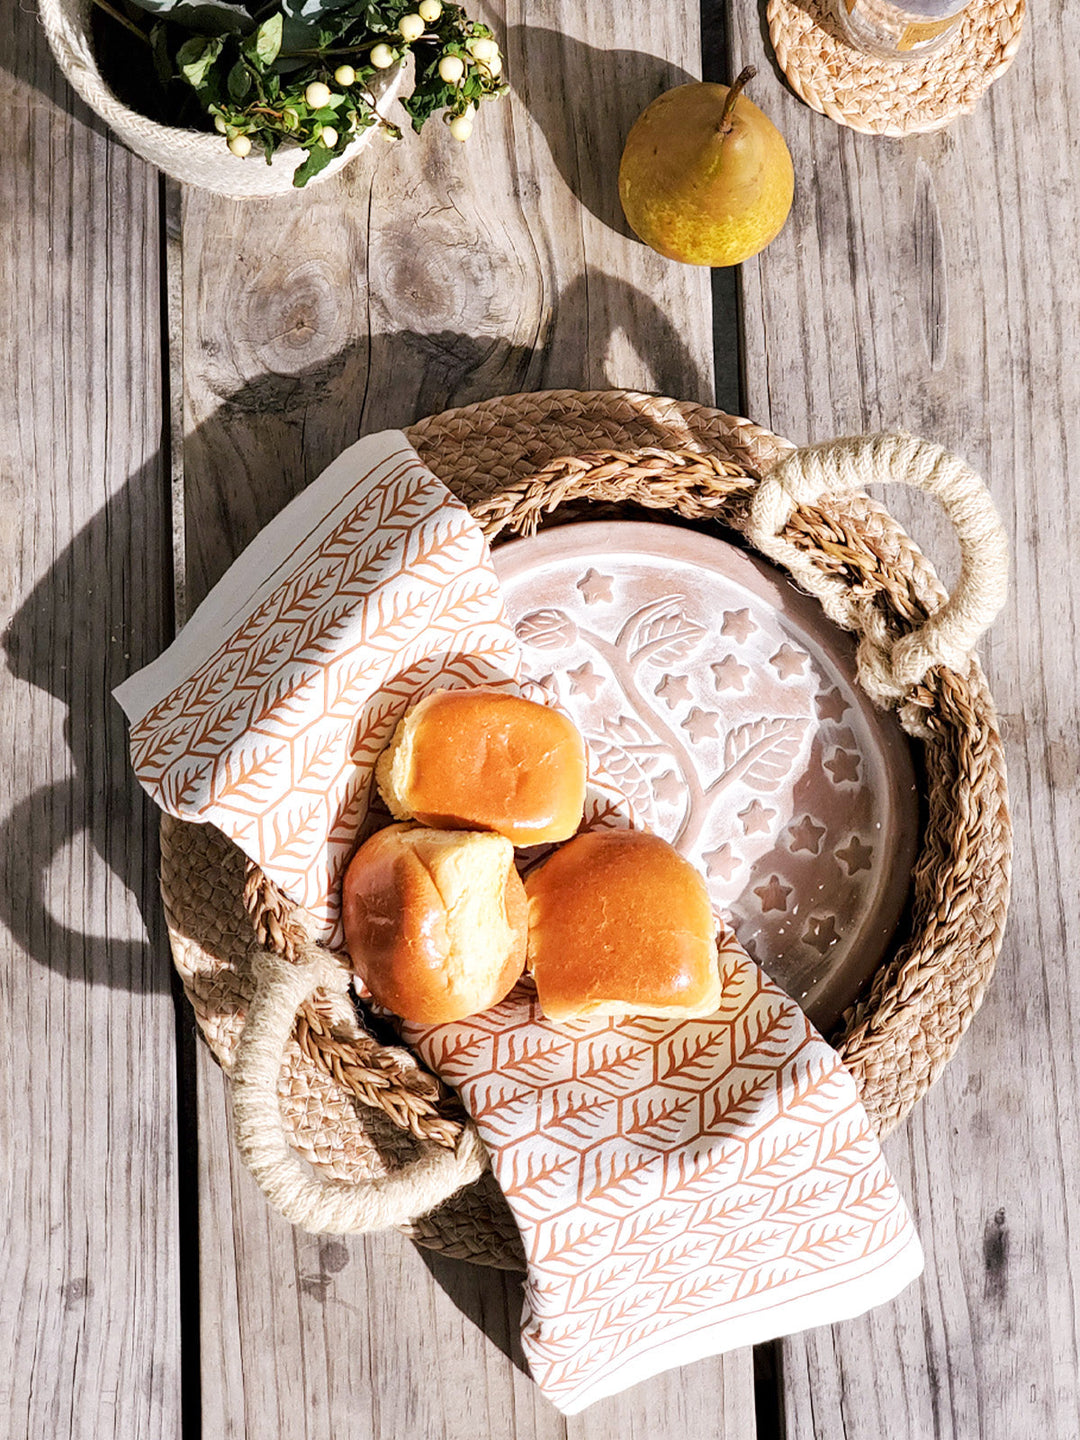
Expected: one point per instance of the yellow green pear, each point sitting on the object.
(706, 177)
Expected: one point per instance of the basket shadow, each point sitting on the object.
(491, 1299)
(106, 601)
(100, 610)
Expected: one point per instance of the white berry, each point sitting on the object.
(344, 76)
(461, 127)
(328, 136)
(382, 57)
(317, 94)
(411, 27)
(492, 67)
(483, 48)
(219, 124)
(451, 69)
(429, 10)
(240, 145)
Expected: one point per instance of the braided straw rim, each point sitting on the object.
(193, 156)
(883, 97)
(809, 515)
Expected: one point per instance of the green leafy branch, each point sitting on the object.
(307, 72)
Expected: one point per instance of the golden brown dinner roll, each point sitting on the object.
(620, 924)
(485, 760)
(436, 921)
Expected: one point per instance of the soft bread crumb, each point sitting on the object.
(393, 766)
(469, 870)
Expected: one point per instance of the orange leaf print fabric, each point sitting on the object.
(682, 1187)
(267, 714)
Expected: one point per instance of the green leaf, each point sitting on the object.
(428, 97)
(265, 44)
(159, 50)
(196, 56)
(239, 81)
(318, 157)
(204, 17)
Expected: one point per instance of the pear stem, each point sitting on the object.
(734, 91)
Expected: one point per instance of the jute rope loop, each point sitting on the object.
(305, 1198)
(890, 667)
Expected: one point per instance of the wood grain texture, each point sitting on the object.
(89, 1315)
(929, 284)
(428, 275)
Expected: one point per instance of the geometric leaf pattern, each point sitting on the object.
(280, 699)
(681, 1187)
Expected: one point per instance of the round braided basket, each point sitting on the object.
(341, 1127)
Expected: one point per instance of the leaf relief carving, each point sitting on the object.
(665, 634)
(762, 752)
(627, 751)
(546, 629)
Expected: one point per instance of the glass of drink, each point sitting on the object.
(904, 31)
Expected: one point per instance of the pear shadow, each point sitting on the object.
(587, 114)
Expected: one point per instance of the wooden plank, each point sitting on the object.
(89, 1311)
(929, 284)
(429, 275)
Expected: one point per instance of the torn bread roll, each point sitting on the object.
(435, 921)
(485, 760)
(621, 924)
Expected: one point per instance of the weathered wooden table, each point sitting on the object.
(175, 367)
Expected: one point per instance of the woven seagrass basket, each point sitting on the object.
(342, 1128)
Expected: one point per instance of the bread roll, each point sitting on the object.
(436, 921)
(484, 760)
(621, 924)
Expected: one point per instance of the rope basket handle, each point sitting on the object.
(291, 1186)
(890, 667)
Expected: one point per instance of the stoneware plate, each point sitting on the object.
(724, 704)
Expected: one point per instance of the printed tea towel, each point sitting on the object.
(266, 715)
(682, 1187)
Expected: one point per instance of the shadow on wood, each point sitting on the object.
(84, 627)
(251, 457)
(491, 1299)
(585, 100)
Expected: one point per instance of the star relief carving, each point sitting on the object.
(729, 674)
(585, 680)
(596, 588)
(721, 861)
(805, 835)
(673, 689)
(701, 725)
(843, 765)
(773, 895)
(789, 662)
(831, 705)
(755, 818)
(821, 932)
(738, 625)
(668, 787)
(856, 856)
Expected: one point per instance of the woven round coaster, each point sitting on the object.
(883, 97)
